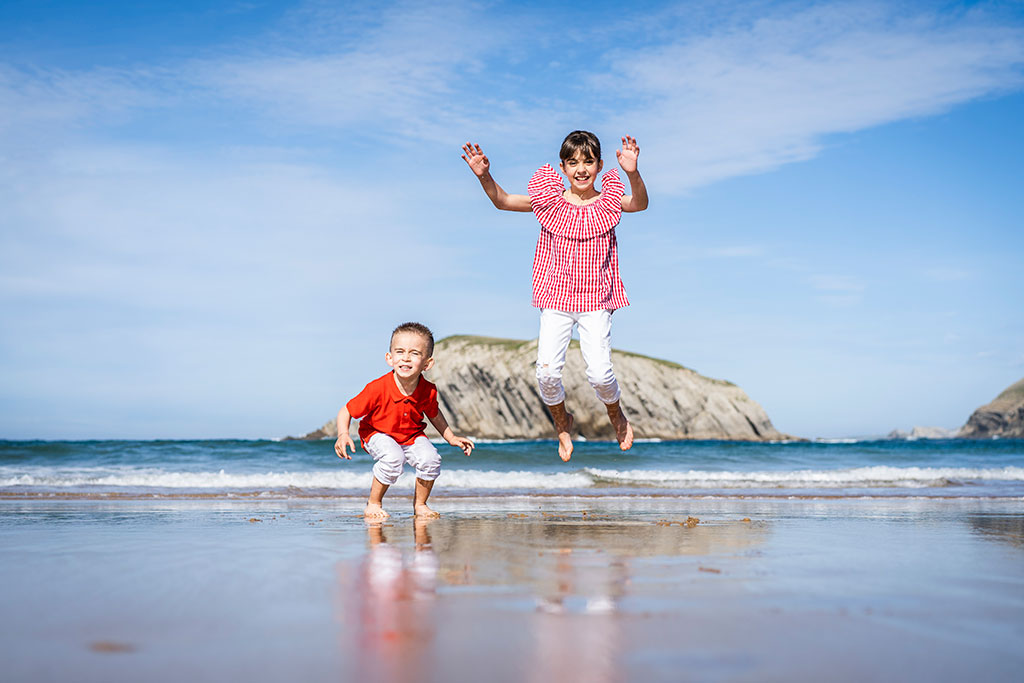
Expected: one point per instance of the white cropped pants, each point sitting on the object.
(595, 343)
(391, 458)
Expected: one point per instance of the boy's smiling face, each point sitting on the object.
(408, 355)
(582, 170)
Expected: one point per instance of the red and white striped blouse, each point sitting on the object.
(576, 265)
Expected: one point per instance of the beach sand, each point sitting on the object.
(513, 589)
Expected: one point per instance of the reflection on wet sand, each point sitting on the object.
(528, 550)
(386, 606)
(1008, 528)
(576, 604)
(571, 572)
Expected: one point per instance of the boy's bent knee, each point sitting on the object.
(428, 469)
(422, 455)
(387, 472)
(389, 458)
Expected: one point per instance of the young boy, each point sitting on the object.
(391, 427)
(575, 266)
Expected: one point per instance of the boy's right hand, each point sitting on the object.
(475, 157)
(339, 446)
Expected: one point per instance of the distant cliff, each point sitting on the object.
(924, 433)
(1003, 417)
(488, 390)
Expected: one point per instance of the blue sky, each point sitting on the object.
(212, 214)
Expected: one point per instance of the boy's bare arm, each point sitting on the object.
(481, 167)
(628, 156)
(344, 440)
(441, 425)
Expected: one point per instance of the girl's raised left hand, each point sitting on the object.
(627, 156)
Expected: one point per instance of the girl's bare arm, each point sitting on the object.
(628, 156)
(481, 167)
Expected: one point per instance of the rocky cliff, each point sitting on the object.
(1003, 417)
(488, 390)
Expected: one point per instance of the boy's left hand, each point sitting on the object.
(627, 156)
(465, 444)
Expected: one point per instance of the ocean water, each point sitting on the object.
(706, 469)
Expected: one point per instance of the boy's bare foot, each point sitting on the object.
(424, 512)
(623, 430)
(374, 511)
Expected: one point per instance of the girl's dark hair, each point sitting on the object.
(580, 140)
(420, 329)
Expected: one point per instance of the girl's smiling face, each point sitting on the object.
(582, 170)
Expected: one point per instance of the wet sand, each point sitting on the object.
(513, 589)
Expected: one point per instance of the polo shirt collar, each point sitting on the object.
(396, 394)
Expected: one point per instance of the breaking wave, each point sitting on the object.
(860, 478)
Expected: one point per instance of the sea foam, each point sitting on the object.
(860, 478)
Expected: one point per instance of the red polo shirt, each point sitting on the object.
(381, 407)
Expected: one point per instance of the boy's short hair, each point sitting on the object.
(420, 329)
(580, 141)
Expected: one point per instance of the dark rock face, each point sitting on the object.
(488, 390)
(1003, 417)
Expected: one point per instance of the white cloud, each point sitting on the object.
(750, 97)
(43, 100)
(687, 252)
(838, 291)
(713, 93)
(947, 274)
(736, 251)
(143, 226)
(410, 72)
(836, 283)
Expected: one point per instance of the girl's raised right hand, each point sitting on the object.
(475, 157)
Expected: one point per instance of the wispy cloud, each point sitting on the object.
(713, 92)
(837, 283)
(946, 274)
(42, 100)
(838, 290)
(749, 97)
(410, 72)
(141, 226)
(692, 253)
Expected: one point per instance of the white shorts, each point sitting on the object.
(391, 458)
(595, 343)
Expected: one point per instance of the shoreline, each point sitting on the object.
(488, 494)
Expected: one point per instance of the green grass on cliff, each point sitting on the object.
(1014, 392)
(510, 344)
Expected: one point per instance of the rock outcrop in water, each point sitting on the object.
(488, 391)
(1003, 417)
(923, 433)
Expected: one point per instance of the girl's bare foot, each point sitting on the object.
(565, 439)
(563, 429)
(374, 511)
(623, 430)
(424, 512)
